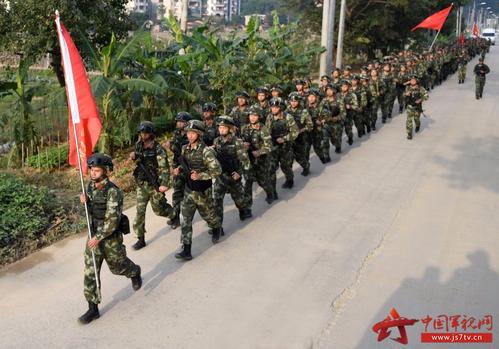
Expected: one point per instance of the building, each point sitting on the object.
(223, 8)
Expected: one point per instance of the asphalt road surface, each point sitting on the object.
(412, 225)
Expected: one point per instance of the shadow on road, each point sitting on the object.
(471, 291)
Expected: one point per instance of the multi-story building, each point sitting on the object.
(223, 8)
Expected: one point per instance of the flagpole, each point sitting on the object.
(77, 143)
(436, 36)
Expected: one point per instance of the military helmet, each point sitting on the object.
(325, 77)
(330, 86)
(183, 116)
(262, 89)
(146, 126)
(356, 77)
(337, 69)
(294, 96)
(277, 102)
(208, 106)
(243, 94)
(298, 81)
(414, 76)
(345, 82)
(276, 88)
(315, 91)
(225, 120)
(195, 126)
(100, 160)
(254, 111)
(348, 68)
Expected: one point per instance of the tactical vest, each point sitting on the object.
(278, 129)
(148, 157)
(178, 141)
(296, 114)
(98, 205)
(210, 134)
(227, 155)
(195, 162)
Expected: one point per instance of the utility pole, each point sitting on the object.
(325, 39)
(330, 42)
(183, 16)
(341, 34)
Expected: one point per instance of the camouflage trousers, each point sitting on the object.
(317, 141)
(226, 184)
(282, 156)
(178, 194)
(201, 201)
(462, 73)
(301, 150)
(387, 105)
(259, 173)
(146, 193)
(113, 251)
(479, 85)
(374, 113)
(413, 116)
(401, 99)
(358, 120)
(348, 125)
(333, 133)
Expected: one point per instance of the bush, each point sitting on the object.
(49, 158)
(25, 211)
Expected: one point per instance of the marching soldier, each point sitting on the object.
(262, 96)
(361, 96)
(258, 143)
(200, 166)
(462, 62)
(316, 135)
(211, 128)
(105, 205)
(480, 70)
(333, 115)
(240, 112)
(349, 100)
(301, 145)
(377, 89)
(152, 175)
(389, 95)
(402, 78)
(234, 160)
(179, 139)
(415, 95)
(367, 110)
(283, 131)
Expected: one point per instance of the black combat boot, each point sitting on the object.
(270, 198)
(91, 314)
(276, 197)
(409, 136)
(306, 171)
(338, 150)
(383, 120)
(216, 235)
(185, 253)
(373, 126)
(417, 129)
(350, 140)
(174, 222)
(245, 213)
(141, 242)
(288, 184)
(137, 281)
(368, 127)
(327, 159)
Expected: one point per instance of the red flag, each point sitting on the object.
(476, 32)
(435, 21)
(83, 112)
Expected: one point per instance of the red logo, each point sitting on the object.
(393, 320)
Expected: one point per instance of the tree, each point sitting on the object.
(29, 26)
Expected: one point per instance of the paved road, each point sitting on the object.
(391, 223)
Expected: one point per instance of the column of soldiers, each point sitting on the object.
(227, 153)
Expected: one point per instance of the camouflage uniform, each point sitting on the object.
(402, 78)
(377, 90)
(362, 103)
(233, 157)
(333, 113)
(389, 96)
(301, 145)
(210, 134)
(198, 194)
(260, 141)
(240, 116)
(105, 208)
(462, 65)
(282, 125)
(178, 140)
(264, 110)
(480, 70)
(414, 109)
(317, 135)
(349, 100)
(155, 161)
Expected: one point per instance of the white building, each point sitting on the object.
(223, 8)
(139, 6)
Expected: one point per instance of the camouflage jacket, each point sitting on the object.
(302, 118)
(361, 94)
(232, 148)
(350, 102)
(326, 108)
(314, 115)
(259, 140)
(377, 88)
(289, 129)
(241, 117)
(205, 157)
(413, 95)
(179, 139)
(155, 160)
